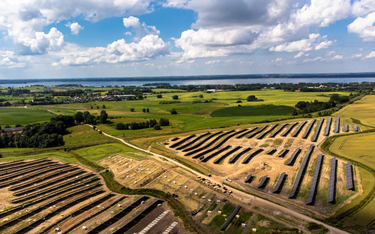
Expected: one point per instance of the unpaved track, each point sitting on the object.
(259, 202)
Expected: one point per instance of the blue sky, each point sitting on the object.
(129, 38)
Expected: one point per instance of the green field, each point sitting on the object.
(82, 134)
(13, 116)
(261, 110)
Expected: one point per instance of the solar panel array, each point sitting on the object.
(202, 142)
(209, 144)
(272, 151)
(243, 134)
(346, 128)
(337, 129)
(231, 217)
(309, 129)
(230, 136)
(279, 183)
(283, 153)
(328, 128)
(193, 141)
(263, 182)
(355, 128)
(301, 172)
(217, 161)
(268, 131)
(248, 178)
(349, 177)
(315, 180)
(182, 141)
(248, 158)
(299, 129)
(289, 129)
(294, 156)
(279, 130)
(315, 138)
(332, 181)
(257, 132)
(216, 153)
(237, 156)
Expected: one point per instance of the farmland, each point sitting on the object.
(13, 116)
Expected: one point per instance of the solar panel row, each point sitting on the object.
(279, 130)
(315, 138)
(217, 161)
(205, 152)
(294, 156)
(252, 155)
(272, 151)
(248, 178)
(209, 144)
(230, 136)
(231, 217)
(268, 131)
(328, 128)
(315, 180)
(299, 129)
(216, 153)
(349, 177)
(257, 132)
(289, 129)
(250, 131)
(202, 142)
(346, 128)
(182, 141)
(237, 156)
(332, 181)
(355, 128)
(283, 153)
(301, 171)
(193, 141)
(337, 129)
(279, 183)
(263, 182)
(309, 129)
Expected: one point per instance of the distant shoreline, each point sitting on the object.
(202, 77)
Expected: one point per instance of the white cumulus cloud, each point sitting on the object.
(364, 27)
(74, 28)
(314, 42)
(141, 30)
(371, 55)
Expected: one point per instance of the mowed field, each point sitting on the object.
(14, 116)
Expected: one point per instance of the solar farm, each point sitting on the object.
(283, 160)
(46, 196)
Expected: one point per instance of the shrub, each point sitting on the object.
(157, 127)
(251, 98)
(159, 96)
(173, 111)
(132, 109)
(201, 95)
(175, 97)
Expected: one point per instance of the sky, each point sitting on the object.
(135, 38)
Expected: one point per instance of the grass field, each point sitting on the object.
(13, 116)
(96, 153)
(260, 110)
(59, 155)
(82, 134)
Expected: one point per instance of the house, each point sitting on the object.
(13, 130)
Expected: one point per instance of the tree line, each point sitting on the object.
(141, 125)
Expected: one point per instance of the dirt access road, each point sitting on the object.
(244, 197)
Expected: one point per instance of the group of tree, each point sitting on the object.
(141, 125)
(314, 106)
(88, 118)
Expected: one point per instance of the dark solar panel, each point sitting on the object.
(252, 155)
(248, 178)
(315, 138)
(346, 128)
(279, 183)
(237, 156)
(272, 151)
(332, 181)
(279, 130)
(309, 129)
(202, 142)
(182, 141)
(217, 161)
(294, 156)
(315, 180)
(216, 153)
(193, 141)
(301, 171)
(355, 128)
(231, 217)
(263, 182)
(283, 153)
(299, 129)
(268, 131)
(349, 177)
(209, 144)
(247, 132)
(337, 129)
(257, 132)
(289, 129)
(328, 128)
